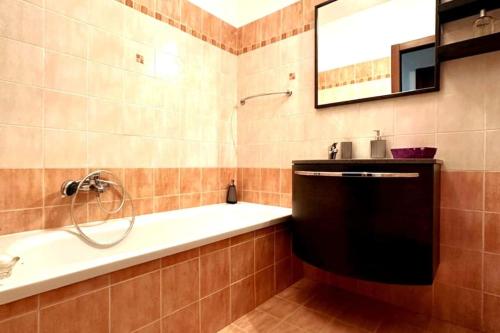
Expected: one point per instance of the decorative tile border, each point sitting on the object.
(365, 71)
(189, 18)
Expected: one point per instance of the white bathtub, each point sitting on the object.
(55, 258)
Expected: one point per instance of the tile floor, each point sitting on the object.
(308, 306)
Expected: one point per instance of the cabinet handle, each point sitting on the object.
(358, 174)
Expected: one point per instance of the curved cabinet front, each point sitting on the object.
(375, 220)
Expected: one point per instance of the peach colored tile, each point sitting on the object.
(191, 16)
(205, 249)
(491, 319)
(250, 34)
(135, 303)
(26, 324)
(264, 251)
(264, 231)
(74, 8)
(139, 182)
(20, 105)
(180, 286)
(169, 8)
(65, 149)
(242, 260)
(26, 188)
(250, 196)
(291, 17)
(166, 181)
(492, 192)
(461, 228)
(211, 26)
(105, 48)
(284, 327)
(242, 297)
(257, 321)
(214, 271)
(105, 81)
(74, 290)
(153, 328)
(492, 232)
(20, 147)
(460, 267)
(270, 180)
(492, 273)
(264, 285)
(65, 111)
(67, 73)
(271, 26)
(82, 314)
(286, 200)
(229, 36)
(453, 193)
(141, 206)
(286, 181)
(209, 179)
(162, 204)
(74, 39)
(278, 307)
(210, 198)
(20, 220)
(215, 311)
(309, 320)
(19, 307)
(283, 244)
(21, 21)
(190, 200)
(242, 238)
(308, 7)
(180, 257)
(52, 181)
(458, 305)
(270, 198)
(296, 294)
(190, 180)
(59, 216)
(185, 320)
(283, 274)
(21, 62)
(131, 272)
(225, 177)
(251, 179)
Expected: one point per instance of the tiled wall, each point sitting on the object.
(200, 290)
(89, 84)
(462, 120)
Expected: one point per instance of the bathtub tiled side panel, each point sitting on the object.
(199, 290)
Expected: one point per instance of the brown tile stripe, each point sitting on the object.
(166, 292)
(183, 15)
(365, 71)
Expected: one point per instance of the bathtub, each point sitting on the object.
(54, 258)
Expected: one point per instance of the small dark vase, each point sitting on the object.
(232, 197)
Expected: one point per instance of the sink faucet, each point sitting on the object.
(6, 265)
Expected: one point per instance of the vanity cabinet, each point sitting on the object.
(375, 220)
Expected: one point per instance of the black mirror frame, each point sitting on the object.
(374, 98)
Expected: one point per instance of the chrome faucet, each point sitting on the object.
(93, 183)
(6, 264)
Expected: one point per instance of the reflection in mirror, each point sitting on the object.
(373, 48)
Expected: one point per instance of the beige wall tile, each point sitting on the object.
(65, 149)
(21, 147)
(107, 15)
(67, 73)
(21, 62)
(74, 39)
(139, 120)
(105, 116)
(410, 119)
(78, 9)
(20, 105)
(105, 81)
(105, 48)
(493, 150)
(105, 150)
(138, 152)
(460, 112)
(132, 51)
(65, 111)
(21, 21)
(461, 151)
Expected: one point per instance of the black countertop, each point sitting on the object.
(373, 161)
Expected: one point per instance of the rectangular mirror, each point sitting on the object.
(374, 49)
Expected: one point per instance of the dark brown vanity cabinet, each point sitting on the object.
(375, 220)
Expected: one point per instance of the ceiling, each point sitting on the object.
(240, 12)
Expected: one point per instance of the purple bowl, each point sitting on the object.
(418, 152)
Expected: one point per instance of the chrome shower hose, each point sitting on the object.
(124, 194)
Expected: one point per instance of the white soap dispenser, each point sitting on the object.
(377, 146)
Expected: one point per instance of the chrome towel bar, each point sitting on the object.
(288, 93)
(358, 174)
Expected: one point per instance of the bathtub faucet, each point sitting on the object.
(91, 184)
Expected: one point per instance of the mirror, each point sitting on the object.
(375, 49)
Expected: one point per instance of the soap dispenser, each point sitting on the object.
(231, 193)
(378, 146)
